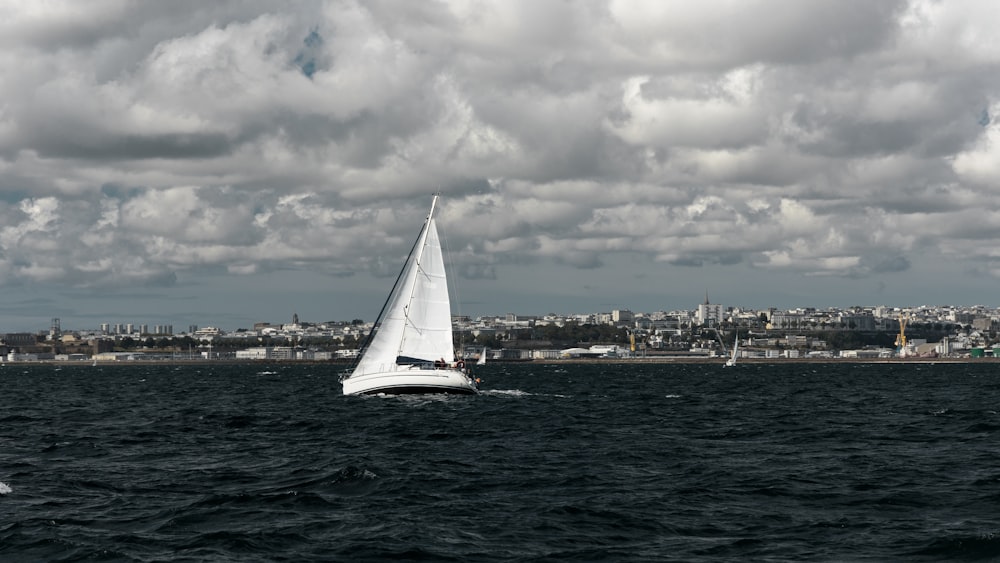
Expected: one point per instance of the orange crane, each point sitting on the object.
(901, 337)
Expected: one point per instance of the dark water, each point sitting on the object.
(817, 462)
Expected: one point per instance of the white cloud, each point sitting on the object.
(980, 164)
(164, 146)
(706, 121)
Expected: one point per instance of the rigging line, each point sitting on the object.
(378, 319)
(452, 283)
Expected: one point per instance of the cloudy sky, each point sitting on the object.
(224, 163)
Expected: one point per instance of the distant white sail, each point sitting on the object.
(736, 346)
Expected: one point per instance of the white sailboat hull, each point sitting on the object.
(405, 380)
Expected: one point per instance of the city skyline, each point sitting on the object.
(234, 162)
(913, 312)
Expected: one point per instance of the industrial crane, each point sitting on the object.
(901, 337)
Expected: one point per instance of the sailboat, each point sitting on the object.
(482, 358)
(410, 348)
(736, 347)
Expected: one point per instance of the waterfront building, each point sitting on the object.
(256, 353)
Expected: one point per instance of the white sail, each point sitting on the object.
(427, 327)
(482, 358)
(417, 323)
(415, 330)
(736, 346)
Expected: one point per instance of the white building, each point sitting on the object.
(267, 353)
(258, 353)
(622, 316)
(708, 313)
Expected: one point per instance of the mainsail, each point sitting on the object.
(416, 326)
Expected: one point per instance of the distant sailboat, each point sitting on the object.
(410, 349)
(482, 358)
(736, 346)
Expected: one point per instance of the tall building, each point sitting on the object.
(622, 316)
(708, 313)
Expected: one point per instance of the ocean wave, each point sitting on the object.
(520, 393)
(505, 393)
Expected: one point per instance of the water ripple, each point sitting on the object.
(578, 462)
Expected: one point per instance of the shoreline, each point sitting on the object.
(766, 361)
(553, 361)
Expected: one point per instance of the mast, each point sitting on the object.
(430, 215)
(417, 257)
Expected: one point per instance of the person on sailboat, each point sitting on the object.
(440, 364)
